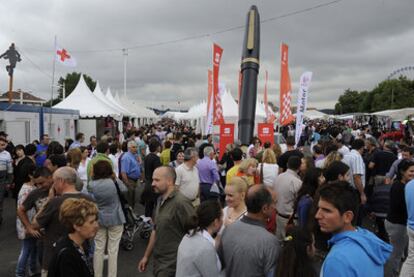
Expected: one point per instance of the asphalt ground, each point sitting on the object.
(10, 247)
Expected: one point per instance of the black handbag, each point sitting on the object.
(124, 202)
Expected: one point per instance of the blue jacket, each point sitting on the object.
(356, 253)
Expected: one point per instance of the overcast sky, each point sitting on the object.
(349, 44)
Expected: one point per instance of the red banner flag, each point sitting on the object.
(226, 137)
(218, 110)
(285, 113)
(265, 132)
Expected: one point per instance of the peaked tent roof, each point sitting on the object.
(88, 104)
(111, 99)
(98, 93)
(136, 107)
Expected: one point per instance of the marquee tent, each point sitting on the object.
(88, 104)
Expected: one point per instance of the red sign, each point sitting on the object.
(226, 137)
(265, 132)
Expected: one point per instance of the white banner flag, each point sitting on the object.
(209, 118)
(302, 103)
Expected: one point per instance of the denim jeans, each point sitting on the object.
(28, 255)
(407, 269)
(2, 192)
(399, 240)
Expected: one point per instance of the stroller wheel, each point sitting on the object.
(128, 246)
(145, 234)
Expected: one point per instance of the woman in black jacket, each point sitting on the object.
(80, 217)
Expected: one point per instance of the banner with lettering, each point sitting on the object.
(265, 132)
(302, 103)
(226, 137)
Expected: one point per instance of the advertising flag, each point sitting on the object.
(286, 116)
(265, 132)
(64, 57)
(302, 103)
(209, 123)
(226, 137)
(218, 110)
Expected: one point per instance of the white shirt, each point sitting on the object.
(270, 172)
(286, 187)
(344, 150)
(114, 160)
(82, 171)
(210, 239)
(356, 166)
(188, 181)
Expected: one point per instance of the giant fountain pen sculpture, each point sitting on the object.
(249, 70)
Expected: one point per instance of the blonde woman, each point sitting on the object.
(235, 193)
(268, 169)
(333, 156)
(248, 169)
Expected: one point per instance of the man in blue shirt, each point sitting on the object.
(79, 139)
(408, 266)
(130, 171)
(354, 251)
(41, 150)
(208, 173)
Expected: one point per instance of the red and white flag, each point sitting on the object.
(209, 121)
(218, 109)
(285, 115)
(64, 57)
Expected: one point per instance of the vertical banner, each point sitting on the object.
(265, 132)
(226, 137)
(218, 111)
(270, 117)
(286, 116)
(302, 103)
(209, 118)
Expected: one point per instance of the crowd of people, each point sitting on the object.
(340, 203)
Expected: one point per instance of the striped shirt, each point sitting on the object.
(6, 168)
(356, 166)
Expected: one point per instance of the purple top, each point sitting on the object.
(207, 171)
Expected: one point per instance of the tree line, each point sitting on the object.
(389, 94)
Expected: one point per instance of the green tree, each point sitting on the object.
(70, 82)
(348, 102)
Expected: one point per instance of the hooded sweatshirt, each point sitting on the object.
(356, 253)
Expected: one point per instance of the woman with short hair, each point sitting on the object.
(248, 169)
(111, 216)
(79, 216)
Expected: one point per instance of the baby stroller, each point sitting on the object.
(134, 225)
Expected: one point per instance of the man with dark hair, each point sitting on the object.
(56, 161)
(381, 162)
(407, 153)
(286, 187)
(42, 179)
(102, 150)
(79, 139)
(92, 146)
(246, 247)
(41, 150)
(291, 151)
(172, 216)
(337, 170)
(354, 251)
(318, 155)
(151, 162)
(357, 167)
(237, 156)
(177, 145)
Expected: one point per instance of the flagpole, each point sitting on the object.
(52, 86)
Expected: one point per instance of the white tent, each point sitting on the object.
(397, 115)
(315, 114)
(87, 103)
(99, 94)
(135, 107)
(111, 99)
